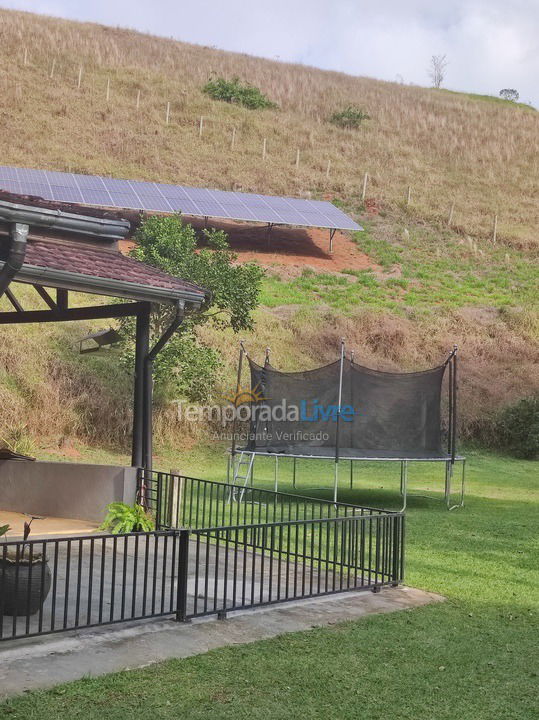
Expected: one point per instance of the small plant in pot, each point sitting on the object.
(25, 577)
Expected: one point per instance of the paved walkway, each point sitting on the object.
(43, 662)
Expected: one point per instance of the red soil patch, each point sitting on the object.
(296, 247)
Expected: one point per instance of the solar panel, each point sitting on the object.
(160, 197)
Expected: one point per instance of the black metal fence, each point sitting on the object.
(251, 547)
(182, 501)
(86, 581)
(218, 548)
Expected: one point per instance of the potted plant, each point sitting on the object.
(123, 518)
(25, 578)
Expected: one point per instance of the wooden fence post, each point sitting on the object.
(364, 191)
(167, 117)
(451, 211)
(201, 126)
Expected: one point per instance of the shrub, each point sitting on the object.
(351, 117)
(238, 92)
(517, 428)
(123, 518)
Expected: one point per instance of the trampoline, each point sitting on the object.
(345, 411)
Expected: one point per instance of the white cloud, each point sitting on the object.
(490, 44)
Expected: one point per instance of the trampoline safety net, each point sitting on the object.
(381, 414)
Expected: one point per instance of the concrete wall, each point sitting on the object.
(59, 489)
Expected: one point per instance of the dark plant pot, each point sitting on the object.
(22, 592)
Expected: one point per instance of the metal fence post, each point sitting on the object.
(183, 574)
(396, 574)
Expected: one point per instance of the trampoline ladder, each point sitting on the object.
(243, 470)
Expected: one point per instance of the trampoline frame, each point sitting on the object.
(448, 481)
(450, 459)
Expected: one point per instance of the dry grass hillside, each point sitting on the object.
(428, 284)
(480, 154)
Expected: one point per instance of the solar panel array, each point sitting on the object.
(159, 197)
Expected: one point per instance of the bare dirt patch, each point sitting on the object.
(292, 247)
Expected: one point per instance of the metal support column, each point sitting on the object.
(142, 345)
(148, 384)
(331, 236)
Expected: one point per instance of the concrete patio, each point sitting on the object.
(43, 526)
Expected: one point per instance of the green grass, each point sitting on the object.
(490, 98)
(474, 657)
(420, 270)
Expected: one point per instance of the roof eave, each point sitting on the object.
(104, 286)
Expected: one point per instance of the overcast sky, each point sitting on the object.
(490, 44)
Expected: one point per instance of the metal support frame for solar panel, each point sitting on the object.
(160, 197)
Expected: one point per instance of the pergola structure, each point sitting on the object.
(60, 248)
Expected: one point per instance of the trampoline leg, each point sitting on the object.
(228, 469)
(404, 483)
(351, 474)
(449, 472)
(294, 475)
(276, 472)
(336, 483)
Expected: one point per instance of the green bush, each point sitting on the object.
(238, 92)
(517, 428)
(350, 118)
(123, 518)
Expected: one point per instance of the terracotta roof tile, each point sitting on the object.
(103, 263)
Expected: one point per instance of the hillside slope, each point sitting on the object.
(450, 148)
(425, 285)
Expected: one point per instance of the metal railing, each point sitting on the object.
(86, 581)
(218, 548)
(182, 501)
(250, 547)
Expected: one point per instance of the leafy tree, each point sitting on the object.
(509, 94)
(185, 366)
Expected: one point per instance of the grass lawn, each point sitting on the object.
(472, 657)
